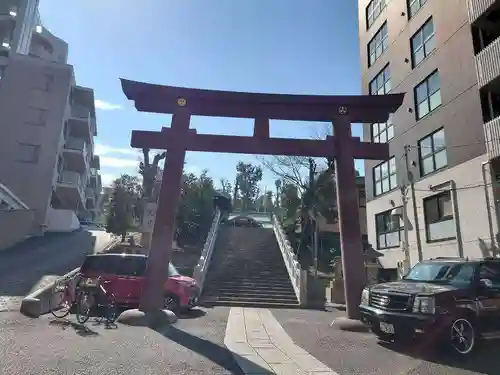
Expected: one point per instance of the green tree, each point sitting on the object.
(124, 208)
(248, 177)
(225, 187)
(196, 209)
(290, 200)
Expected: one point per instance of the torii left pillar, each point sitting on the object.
(152, 298)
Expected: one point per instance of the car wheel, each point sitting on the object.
(171, 302)
(462, 336)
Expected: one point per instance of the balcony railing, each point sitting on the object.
(477, 8)
(73, 179)
(488, 63)
(492, 137)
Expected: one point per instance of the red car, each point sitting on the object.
(126, 273)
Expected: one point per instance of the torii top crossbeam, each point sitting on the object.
(163, 99)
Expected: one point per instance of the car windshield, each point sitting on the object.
(442, 273)
(172, 271)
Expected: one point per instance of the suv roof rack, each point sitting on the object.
(450, 258)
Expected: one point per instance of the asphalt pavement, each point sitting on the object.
(39, 260)
(353, 353)
(193, 345)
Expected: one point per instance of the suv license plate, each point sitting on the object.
(387, 328)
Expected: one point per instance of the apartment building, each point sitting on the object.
(444, 56)
(48, 121)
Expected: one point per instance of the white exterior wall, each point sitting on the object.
(473, 218)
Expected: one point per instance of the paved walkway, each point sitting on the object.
(261, 346)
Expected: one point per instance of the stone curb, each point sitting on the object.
(39, 302)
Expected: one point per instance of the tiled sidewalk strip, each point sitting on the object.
(261, 346)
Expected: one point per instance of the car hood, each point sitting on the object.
(183, 279)
(412, 287)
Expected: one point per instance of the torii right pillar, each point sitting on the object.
(351, 242)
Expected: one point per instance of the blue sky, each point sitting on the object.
(278, 46)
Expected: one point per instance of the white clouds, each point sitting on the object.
(101, 149)
(108, 161)
(107, 179)
(106, 106)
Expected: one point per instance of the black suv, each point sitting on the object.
(450, 300)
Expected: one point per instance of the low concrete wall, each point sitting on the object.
(61, 220)
(15, 227)
(42, 300)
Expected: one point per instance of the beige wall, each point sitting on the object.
(15, 226)
(469, 201)
(20, 98)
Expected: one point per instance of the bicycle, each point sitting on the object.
(94, 296)
(63, 296)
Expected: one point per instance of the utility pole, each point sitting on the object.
(411, 180)
(406, 242)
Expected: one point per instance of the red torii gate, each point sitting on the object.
(182, 103)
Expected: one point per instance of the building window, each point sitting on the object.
(432, 151)
(373, 11)
(377, 45)
(383, 132)
(384, 176)
(422, 43)
(439, 222)
(44, 82)
(414, 6)
(428, 95)
(389, 230)
(36, 116)
(381, 84)
(28, 153)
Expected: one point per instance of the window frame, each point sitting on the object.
(384, 233)
(381, 5)
(383, 42)
(36, 153)
(389, 175)
(429, 94)
(420, 33)
(409, 3)
(42, 114)
(432, 154)
(382, 74)
(376, 135)
(437, 197)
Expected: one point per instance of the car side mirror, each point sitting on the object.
(485, 284)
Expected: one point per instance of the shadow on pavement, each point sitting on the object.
(483, 361)
(80, 329)
(213, 352)
(191, 314)
(27, 264)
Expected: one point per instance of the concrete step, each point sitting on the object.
(250, 284)
(252, 294)
(271, 300)
(216, 288)
(263, 305)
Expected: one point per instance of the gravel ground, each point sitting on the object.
(194, 345)
(361, 353)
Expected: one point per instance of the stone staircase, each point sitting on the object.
(247, 269)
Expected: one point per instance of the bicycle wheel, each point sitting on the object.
(83, 307)
(60, 301)
(111, 310)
